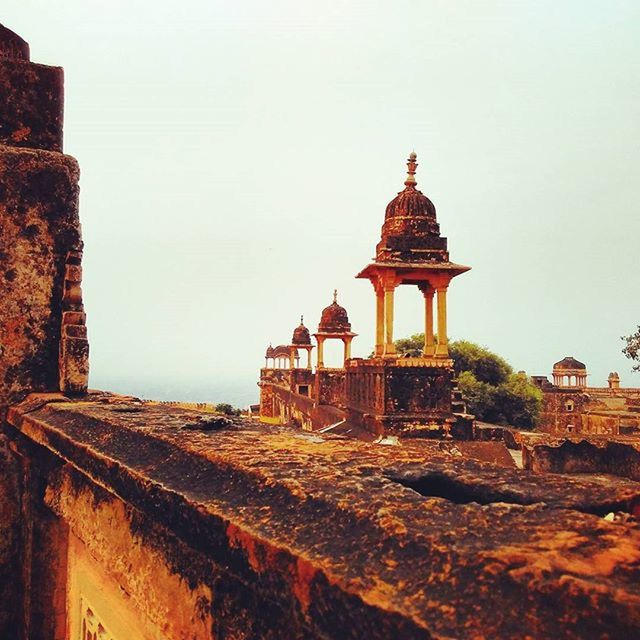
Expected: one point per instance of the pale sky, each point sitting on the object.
(237, 159)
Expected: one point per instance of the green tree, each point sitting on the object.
(519, 401)
(489, 386)
(227, 409)
(632, 348)
(485, 365)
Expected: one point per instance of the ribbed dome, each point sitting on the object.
(411, 232)
(410, 202)
(334, 318)
(569, 362)
(301, 334)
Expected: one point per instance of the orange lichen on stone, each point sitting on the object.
(20, 135)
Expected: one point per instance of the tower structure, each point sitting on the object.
(301, 340)
(43, 336)
(613, 380)
(334, 325)
(390, 394)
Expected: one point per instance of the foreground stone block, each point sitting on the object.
(255, 532)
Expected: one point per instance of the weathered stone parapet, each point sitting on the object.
(39, 227)
(280, 534)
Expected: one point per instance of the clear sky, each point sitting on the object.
(237, 158)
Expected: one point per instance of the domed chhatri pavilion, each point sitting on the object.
(334, 325)
(569, 372)
(384, 393)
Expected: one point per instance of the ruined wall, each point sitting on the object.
(591, 411)
(617, 458)
(555, 416)
(40, 243)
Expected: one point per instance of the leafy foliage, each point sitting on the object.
(485, 365)
(632, 348)
(489, 386)
(227, 409)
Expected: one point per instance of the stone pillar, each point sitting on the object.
(429, 346)
(347, 348)
(379, 320)
(320, 353)
(442, 348)
(389, 347)
(309, 358)
(292, 358)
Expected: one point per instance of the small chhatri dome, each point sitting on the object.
(569, 362)
(411, 232)
(301, 334)
(334, 318)
(269, 352)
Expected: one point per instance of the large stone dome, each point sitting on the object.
(334, 318)
(410, 232)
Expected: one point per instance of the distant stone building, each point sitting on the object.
(571, 406)
(386, 393)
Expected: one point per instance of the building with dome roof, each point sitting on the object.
(571, 406)
(569, 372)
(383, 394)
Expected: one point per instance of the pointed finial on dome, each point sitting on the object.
(301, 319)
(411, 170)
(335, 296)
